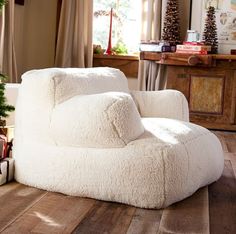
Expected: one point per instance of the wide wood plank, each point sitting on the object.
(221, 137)
(231, 142)
(55, 213)
(188, 216)
(145, 222)
(6, 188)
(232, 158)
(222, 205)
(107, 217)
(16, 199)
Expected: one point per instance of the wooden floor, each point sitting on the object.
(210, 210)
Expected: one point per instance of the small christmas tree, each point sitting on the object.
(210, 31)
(171, 30)
(4, 107)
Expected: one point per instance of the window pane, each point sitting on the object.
(126, 21)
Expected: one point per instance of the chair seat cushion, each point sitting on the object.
(98, 120)
(167, 163)
(190, 155)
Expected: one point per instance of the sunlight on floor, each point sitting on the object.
(26, 192)
(47, 220)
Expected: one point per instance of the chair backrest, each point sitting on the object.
(41, 90)
(69, 82)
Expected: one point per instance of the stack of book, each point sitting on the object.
(193, 48)
(157, 47)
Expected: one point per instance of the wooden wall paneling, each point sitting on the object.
(178, 78)
(210, 102)
(198, 88)
(206, 94)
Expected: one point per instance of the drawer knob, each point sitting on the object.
(193, 60)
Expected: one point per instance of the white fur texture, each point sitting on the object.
(167, 163)
(165, 103)
(97, 120)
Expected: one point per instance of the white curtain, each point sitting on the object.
(151, 75)
(74, 41)
(7, 48)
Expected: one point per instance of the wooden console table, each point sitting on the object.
(126, 63)
(207, 81)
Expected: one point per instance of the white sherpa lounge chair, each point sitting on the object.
(79, 132)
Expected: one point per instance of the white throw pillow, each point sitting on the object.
(97, 120)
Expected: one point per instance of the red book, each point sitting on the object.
(191, 52)
(194, 47)
(192, 43)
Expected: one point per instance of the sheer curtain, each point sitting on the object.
(74, 41)
(151, 75)
(7, 48)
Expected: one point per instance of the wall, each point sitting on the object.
(184, 10)
(198, 24)
(35, 34)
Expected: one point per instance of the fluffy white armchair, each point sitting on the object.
(79, 132)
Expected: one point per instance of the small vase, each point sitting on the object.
(109, 46)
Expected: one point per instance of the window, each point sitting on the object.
(125, 24)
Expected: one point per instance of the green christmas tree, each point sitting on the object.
(210, 31)
(171, 30)
(4, 107)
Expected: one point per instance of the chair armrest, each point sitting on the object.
(164, 104)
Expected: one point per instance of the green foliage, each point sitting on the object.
(2, 3)
(4, 107)
(120, 48)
